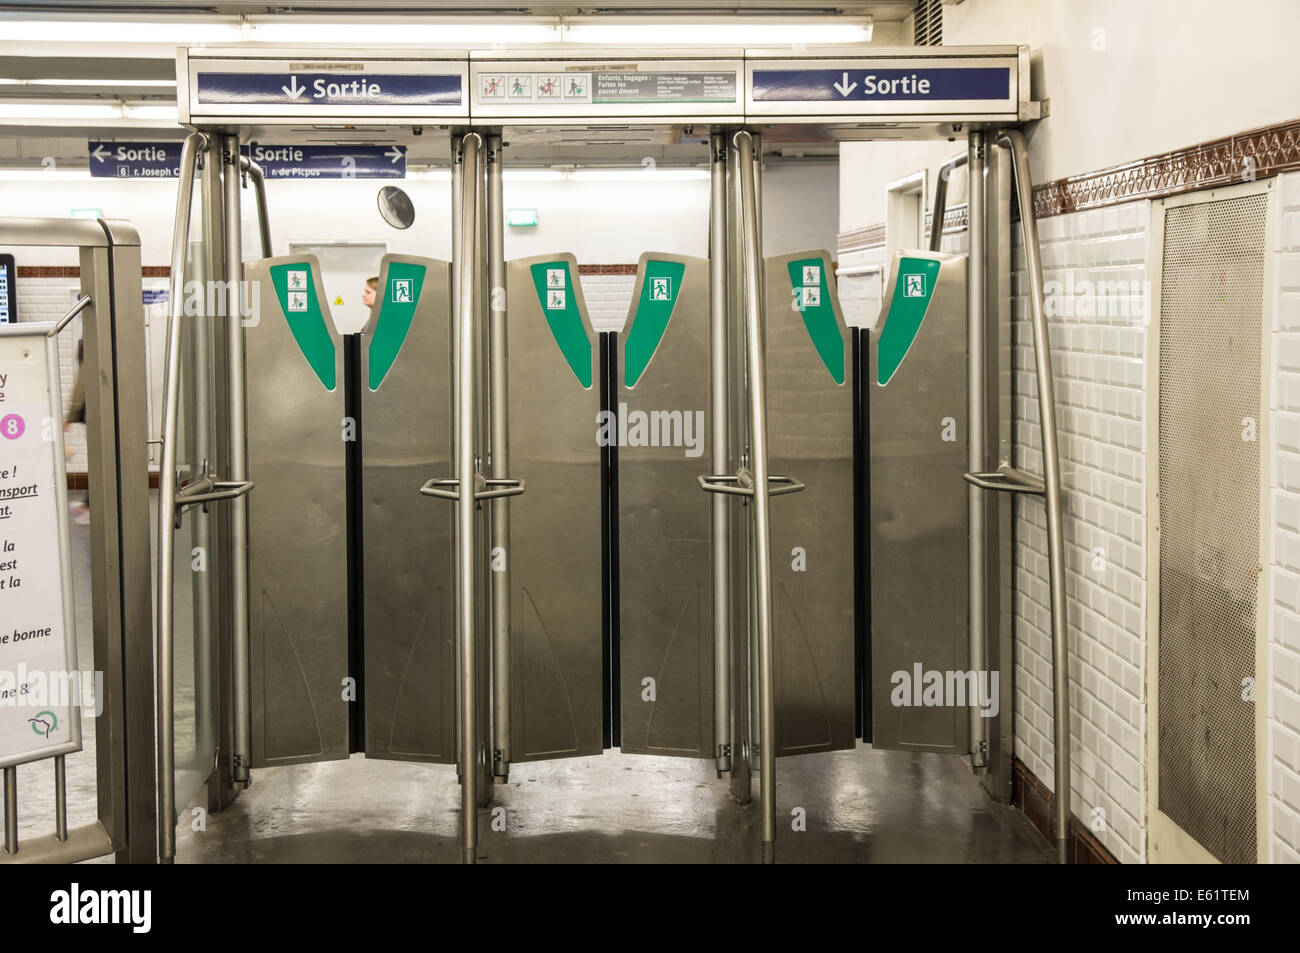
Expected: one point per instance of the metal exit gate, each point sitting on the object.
(576, 595)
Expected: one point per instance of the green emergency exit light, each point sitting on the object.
(521, 217)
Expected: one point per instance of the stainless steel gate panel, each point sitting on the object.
(555, 528)
(810, 433)
(665, 558)
(917, 410)
(297, 550)
(406, 538)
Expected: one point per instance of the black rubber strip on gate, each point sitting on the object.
(353, 522)
(861, 541)
(611, 707)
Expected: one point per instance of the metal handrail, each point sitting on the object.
(941, 198)
(742, 484)
(167, 503)
(82, 304)
(1007, 479)
(205, 491)
(254, 172)
(484, 489)
(1051, 489)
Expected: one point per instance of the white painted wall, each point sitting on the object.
(1125, 80)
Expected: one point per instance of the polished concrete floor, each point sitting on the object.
(859, 806)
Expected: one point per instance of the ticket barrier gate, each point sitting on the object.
(484, 648)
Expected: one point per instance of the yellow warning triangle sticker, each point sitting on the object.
(338, 300)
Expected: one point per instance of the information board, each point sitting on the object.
(40, 689)
(8, 290)
(593, 88)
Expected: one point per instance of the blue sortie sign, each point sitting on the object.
(134, 160)
(330, 89)
(330, 162)
(882, 85)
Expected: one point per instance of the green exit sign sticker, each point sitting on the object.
(521, 217)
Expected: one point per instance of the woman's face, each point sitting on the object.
(368, 297)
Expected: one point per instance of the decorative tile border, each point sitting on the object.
(1255, 154)
(1248, 155)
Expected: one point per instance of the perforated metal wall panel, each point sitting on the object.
(1211, 299)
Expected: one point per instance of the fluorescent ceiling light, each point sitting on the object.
(118, 31)
(44, 175)
(152, 83)
(715, 33)
(532, 175)
(47, 110)
(431, 175)
(152, 112)
(401, 32)
(638, 175)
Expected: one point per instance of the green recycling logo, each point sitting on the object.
(44, 722)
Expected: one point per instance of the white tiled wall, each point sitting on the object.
(1283, 692)
(608, 298)
(1098, 363)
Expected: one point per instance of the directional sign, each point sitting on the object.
(330, 162)
(330, 89)
(881, 85)
(135, 160)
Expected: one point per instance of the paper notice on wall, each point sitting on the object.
(40, 691)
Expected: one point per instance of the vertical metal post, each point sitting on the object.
(1052, 491)
(482, 510)
(463, 376)
(167, 508)
(718, 398)
(243, 733)
(11, 810)
(60, 798)
(976, 443)
(500, 461)
(457, 292)
(754, 343)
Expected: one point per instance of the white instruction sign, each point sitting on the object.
(40, 691)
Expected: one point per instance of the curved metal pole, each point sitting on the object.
(465, 432)
(167, 505)
(718, 400)
(259, 191)
(1052, 491)
(941, 198)
(754, 344)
